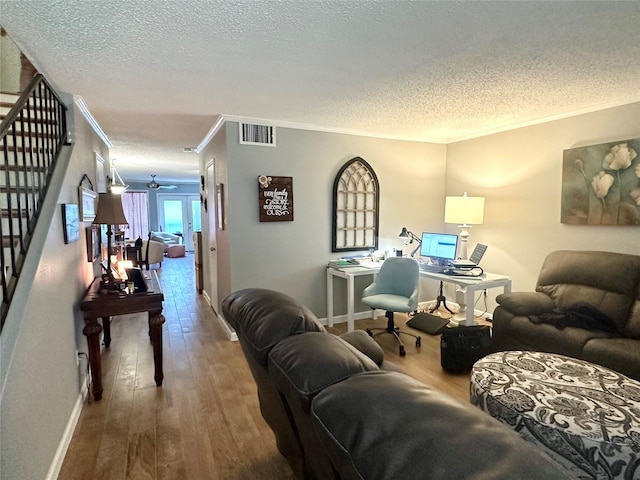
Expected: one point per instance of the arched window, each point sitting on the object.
(356, 197)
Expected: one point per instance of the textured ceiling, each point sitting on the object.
(157, 74)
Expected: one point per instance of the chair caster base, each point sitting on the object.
(402, 352)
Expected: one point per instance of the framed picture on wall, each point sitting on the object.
(70, 222)
(93, 243)
(87, 204)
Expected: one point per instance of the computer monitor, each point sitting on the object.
(440, 247)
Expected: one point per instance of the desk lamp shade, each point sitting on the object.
(109, 213)
(465, 211)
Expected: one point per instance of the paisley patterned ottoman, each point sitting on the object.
(586, 417)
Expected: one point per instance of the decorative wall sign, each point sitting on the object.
(601, 184)
(275, 198)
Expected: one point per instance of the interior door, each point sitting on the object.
(179, 214)
(212, 252)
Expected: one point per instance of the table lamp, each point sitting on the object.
(109, 213)
(408, 237)
(464, 211)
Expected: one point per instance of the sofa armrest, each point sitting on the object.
(363, 342)
(526, 303)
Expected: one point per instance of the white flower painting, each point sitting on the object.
(601, 184)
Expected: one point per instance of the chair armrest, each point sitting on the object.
(370, 290)
(526, 303)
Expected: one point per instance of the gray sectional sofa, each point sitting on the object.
(338, 410)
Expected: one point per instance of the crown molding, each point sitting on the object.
(84, 109)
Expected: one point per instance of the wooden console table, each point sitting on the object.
(105, 305)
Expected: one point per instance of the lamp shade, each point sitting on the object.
(464, 210)
(110, 210)
(404, 233)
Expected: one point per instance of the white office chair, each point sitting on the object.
(395, 289)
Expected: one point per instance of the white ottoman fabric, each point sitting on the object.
(586, 417)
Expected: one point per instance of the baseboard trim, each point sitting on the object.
(65, 441)
(230, 332)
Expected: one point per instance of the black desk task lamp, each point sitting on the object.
(109, 213)
(408, 237)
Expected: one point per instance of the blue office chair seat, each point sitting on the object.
(395, 289)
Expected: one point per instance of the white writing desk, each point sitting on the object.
(467, 287)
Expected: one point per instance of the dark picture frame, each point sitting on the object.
(94, 245)
(70, 222)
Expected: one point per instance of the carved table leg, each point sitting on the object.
(156, 319)
(92, 331)
(106, 324)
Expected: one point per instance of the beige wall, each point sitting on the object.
(41, 384)
(520, 172)
(291, 256)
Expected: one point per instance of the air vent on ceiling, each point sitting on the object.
(253, 134)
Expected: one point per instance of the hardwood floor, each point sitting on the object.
(205, 421)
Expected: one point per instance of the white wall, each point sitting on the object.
(292, 256)
(520, 173)
(41, 383)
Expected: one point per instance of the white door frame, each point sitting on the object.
(211, 250)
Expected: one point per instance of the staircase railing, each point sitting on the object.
(31, 136)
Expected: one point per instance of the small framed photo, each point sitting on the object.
(70, 222)
(94, 245)
(87, 204)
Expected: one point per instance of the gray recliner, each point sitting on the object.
(608, 281)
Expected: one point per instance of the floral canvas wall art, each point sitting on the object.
(601, 184)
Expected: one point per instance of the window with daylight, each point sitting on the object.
(136, 210)
(356, 196)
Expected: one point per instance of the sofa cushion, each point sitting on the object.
(609, 281)
(265, 317)
(619, 354)
(303, 365)
(399, 428)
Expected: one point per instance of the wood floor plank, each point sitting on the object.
(204, 422)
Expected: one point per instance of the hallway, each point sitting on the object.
(203, 423)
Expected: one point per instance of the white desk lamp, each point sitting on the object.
(464, 211)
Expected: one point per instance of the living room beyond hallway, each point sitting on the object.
(204, 422)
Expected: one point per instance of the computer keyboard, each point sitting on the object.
(429, 267)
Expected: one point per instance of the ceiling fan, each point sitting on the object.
(153, 185)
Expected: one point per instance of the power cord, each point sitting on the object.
(87, 376)
(484, 295)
